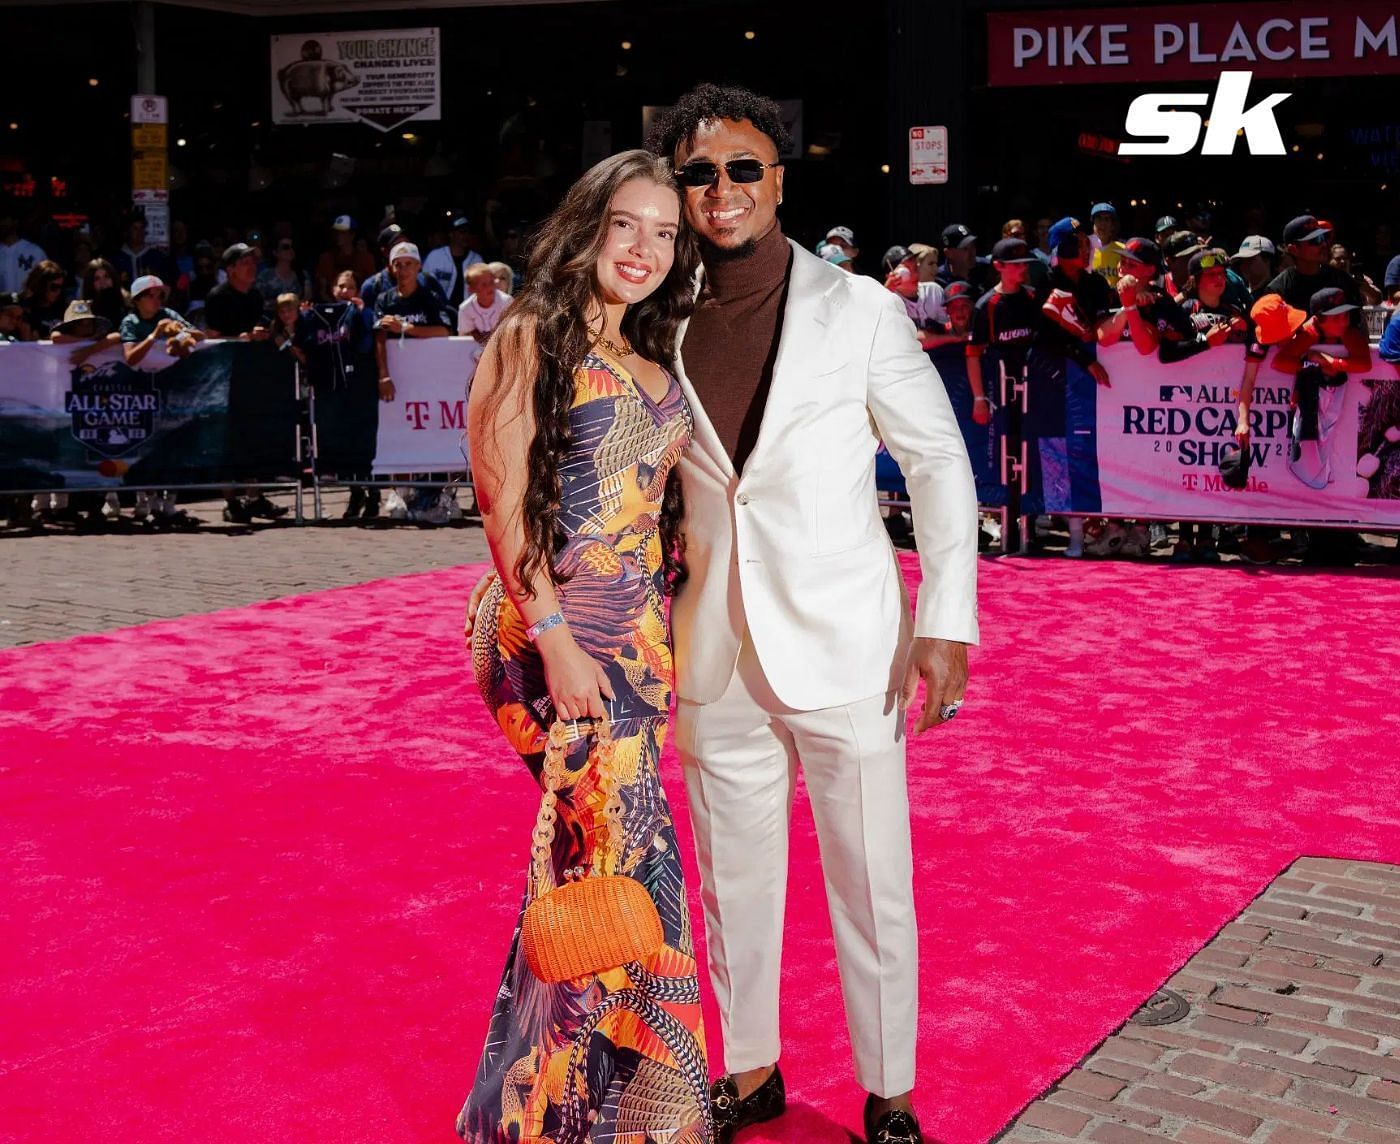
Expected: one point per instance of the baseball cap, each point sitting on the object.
(844, 233)
(958, 236)
(1204, 260)
(1182, 244)
(1166, 222)
(238, 250)
(1275, 320)
(9, 300)
(1064, 237)
(461, 222)
(1328, 301)
(1304, 228)
(404, 250)
(1103, 208)
(1143, 250)
(955, 290)
(390, 234)
(151, 282)
(894, 256)
(1234, 465)
(1253, 245)
(343, 222)
(1012, 250)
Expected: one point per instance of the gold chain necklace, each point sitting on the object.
(618, 351)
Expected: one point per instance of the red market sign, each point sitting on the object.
(1292, 39)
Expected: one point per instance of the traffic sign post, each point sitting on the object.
(150, 167)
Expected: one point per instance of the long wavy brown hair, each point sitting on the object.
(545, 335)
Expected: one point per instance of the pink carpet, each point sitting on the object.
(260, 868)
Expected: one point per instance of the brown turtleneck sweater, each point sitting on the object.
(733, 338)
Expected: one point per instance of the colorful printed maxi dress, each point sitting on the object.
(617, 1057)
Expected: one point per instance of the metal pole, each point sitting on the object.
(145, 19)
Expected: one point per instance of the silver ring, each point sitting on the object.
(948, 710)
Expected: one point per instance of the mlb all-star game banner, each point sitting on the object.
(228, 411)
(424, 429)
(1160, 429)
(383, 78)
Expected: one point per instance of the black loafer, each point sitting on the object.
(767, 1101)
(894, 1127)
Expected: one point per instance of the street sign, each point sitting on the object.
(157, 217)
(144, 195)
(149, 137)
(150, 109)
(928, 155)
(149, 170)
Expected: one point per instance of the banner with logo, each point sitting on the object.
(228, 411)
(424, 429)
(1161, 428)
(1287, 39)
(383, 78)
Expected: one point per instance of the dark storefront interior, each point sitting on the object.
(519, 83)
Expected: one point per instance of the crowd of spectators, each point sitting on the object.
(1060, 294)
(145, 297)
(1064, 287)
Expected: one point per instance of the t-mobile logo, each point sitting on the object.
(1228, 118)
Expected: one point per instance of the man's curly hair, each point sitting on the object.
(680, 123)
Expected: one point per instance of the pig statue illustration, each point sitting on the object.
(312, 78)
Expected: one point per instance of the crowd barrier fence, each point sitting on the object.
(1146, 447)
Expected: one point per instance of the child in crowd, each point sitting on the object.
(284, 326)
(11, 310)
(481, 311)
(153, 322)
(505, 277)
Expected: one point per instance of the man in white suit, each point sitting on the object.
(793, 637)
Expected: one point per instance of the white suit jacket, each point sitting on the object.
(795, 548)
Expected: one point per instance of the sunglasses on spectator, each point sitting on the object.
(1211, 261)
(703, 173)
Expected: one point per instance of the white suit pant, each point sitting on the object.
(740, 756)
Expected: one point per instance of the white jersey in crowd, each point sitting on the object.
(441, 265)
(928, 307)
(16, 261)
(474, 318)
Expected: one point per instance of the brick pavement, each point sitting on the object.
(59, 583)
(1292, 1036)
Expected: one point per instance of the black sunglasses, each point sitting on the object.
(703, 173)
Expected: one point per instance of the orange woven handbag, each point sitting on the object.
(594, 922)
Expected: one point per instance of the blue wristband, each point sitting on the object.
(537, 629)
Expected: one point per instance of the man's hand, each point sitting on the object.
(942, 664)
(391, 323)
(474, 602)
(259, 334)
(1127, 290)
(981, 410)
(1099, 374)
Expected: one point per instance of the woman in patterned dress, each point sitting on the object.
(576, 424)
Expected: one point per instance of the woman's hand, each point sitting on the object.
(577, 684)
(474, 602)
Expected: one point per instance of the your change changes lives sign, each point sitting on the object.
(1161, 428)
(381, 78)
